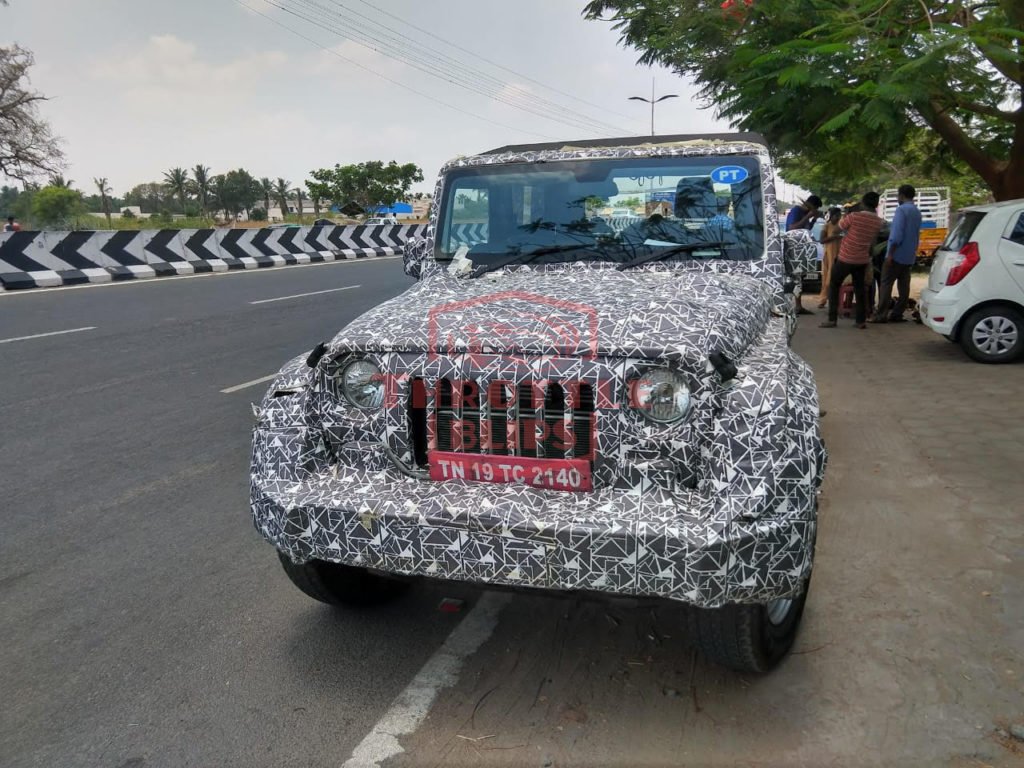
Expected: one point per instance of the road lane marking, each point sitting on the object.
(51, 333)
(410, 707)
(300, 295)
(174, 278)
(252, 383)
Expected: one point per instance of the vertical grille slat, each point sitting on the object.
(526, 426)
(498, 404)
(554, 442)
(583, 422)
(418, 421)
(445, 416)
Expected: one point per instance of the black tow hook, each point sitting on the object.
(725, 367)
(316, 354)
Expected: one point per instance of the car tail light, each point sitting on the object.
(971, 257)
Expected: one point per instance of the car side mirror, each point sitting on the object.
(413, 256)
(799, 252)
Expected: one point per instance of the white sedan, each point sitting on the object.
(975, 293)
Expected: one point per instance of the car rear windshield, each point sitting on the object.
(609, 209)
(961, 232)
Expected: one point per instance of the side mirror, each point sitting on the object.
(413, 256)
(799, 252)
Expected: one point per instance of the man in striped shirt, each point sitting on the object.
(861, 227)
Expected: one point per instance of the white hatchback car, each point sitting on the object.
(975, 293)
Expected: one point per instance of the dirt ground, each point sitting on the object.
(911, 648)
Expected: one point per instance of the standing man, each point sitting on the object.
(861, 229)
(12, 225)
(802, 216)
(903, 241)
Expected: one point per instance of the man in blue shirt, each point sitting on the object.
(803, 215)
(903, 241)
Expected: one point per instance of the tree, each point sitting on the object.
(281, 190)
(317, 193)
(177, 183)
(201, 185)
(266, 189)
(217, 190)
(239, 191)
(104, 188)
(298, 196)
(56, 206)
(27, 146)
(57, 180)
(369, 185)
(850, 78)
(923, 161)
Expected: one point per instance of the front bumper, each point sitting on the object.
(617, 541)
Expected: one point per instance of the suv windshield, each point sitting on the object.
(623, 210)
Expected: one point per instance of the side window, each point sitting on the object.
(1017, 235)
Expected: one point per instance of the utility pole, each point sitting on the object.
(652, 101)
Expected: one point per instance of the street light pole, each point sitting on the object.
(652, 101)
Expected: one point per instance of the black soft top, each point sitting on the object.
(631, 141)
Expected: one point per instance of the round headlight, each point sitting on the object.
(661, 395)
(363, 384)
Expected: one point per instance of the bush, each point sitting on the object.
(257, 214)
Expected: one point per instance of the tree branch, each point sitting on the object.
(989, 111)
(937, 116)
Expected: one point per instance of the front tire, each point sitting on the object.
(993, 335)
(748, 638)
(337, 584)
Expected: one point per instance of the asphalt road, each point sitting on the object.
(143, 622)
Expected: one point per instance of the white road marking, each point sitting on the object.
(409, 709)
(51, 333)
(300, 295)
(174, 278)
(252, 383)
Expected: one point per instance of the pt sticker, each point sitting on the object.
(729, 174)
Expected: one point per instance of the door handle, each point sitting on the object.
(1018, 263)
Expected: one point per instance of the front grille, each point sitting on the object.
(552, 421)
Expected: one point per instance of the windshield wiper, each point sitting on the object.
(664, 252)
(523, 258)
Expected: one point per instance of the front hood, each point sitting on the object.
(576, 309)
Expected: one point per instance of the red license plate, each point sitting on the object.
(555, 474)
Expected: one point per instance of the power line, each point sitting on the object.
(424, 62)
(372, 71)
(458, 47)
(435, 58)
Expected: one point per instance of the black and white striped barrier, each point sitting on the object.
(45, 259)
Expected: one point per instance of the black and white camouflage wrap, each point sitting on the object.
(718, 508)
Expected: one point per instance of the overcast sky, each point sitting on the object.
(138, 87)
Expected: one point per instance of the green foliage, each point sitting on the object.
(236, 191)
(368, 185)
(257, 214)
(853, 80)
(56, 207)
(629, 202)
(923, 161)
(177, 183)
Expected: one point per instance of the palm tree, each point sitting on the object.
(201, 184)
(281, 190)
(266, 189)
(104, 188)
(59, 181)
(217, 193)
(298, 194)
(176, 181)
